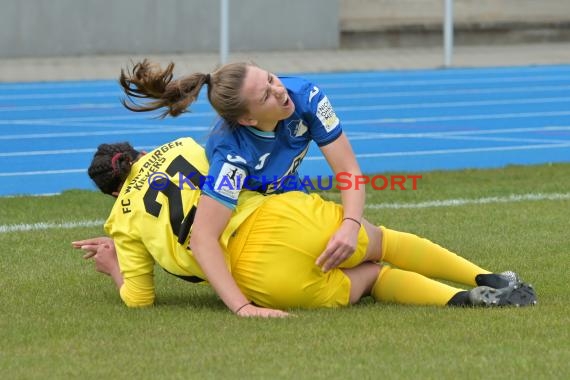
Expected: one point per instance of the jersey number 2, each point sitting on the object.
(179, 222)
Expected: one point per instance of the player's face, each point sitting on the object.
(267, 99)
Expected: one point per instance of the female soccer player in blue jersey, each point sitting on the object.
(266, 126)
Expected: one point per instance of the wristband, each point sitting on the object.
(354, 220)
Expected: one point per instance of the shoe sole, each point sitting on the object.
(515, 295)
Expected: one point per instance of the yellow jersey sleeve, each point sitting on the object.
(138, 291)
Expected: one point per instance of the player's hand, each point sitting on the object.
(94, 245)
(261, 312)
(102, 251)
(340, 246)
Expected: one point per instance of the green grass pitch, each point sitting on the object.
(61, 319)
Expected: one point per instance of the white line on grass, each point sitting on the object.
(477, 201)
(6, 228)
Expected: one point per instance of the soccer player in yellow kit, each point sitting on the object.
(271, 244)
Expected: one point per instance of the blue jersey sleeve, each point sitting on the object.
(324, 123)
(316, 109)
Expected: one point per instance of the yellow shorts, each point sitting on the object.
(273, 253)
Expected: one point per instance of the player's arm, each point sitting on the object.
(137, 288)
(341, 159)
(210, 221)
(137, 268)
(326, 130)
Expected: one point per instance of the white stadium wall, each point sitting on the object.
(40, 28)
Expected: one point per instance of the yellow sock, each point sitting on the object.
(410, 252)
(409, 288)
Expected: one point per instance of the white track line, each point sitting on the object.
(475, 103)
(62, 95)
(61, 151)
(468, 132)
(132, 117)
(338, 81)
(522, 74)
(477, 91)
(353, 136)
(386, 83)
(62, 107)
(387, 94)
(43, 172)
(451, 151)
(495, 139)
(7, 228)
(384, 107)
(360, 155)
(493, 116)
(499, 116)
(431, 73)
(58, 85)
(126, 132)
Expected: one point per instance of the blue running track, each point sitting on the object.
(397, 121)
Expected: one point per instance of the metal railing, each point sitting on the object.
(224, 30)
(448, 33)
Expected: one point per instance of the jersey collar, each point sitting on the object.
(257, 132)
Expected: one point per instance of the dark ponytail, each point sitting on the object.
(111, 165)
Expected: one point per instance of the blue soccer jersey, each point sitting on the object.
(267, 162)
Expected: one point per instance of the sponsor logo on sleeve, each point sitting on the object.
(230, 181)
(326, 114)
